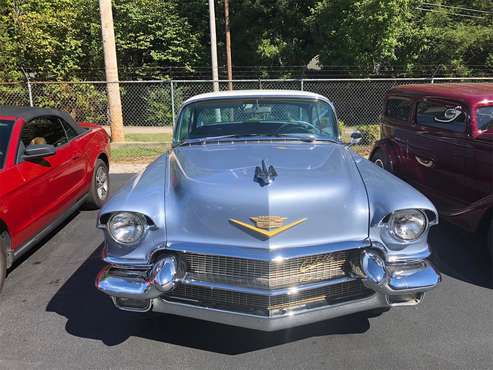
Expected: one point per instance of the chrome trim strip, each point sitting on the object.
(265, 292)
(288, 320)
(124, 263)
(271, 255)
(402, 258)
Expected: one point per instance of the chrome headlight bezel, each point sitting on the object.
(420, 219)
(137, 220)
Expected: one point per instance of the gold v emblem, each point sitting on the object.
(267, 231)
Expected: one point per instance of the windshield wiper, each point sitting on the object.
(204, 140)
(305, 138)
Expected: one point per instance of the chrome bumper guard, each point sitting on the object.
(397, 279)
(390, 282)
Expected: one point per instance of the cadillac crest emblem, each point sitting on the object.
(267, 226)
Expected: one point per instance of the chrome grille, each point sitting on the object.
(267, 274)
(269, 305)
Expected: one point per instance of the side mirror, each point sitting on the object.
(356, 137)
(38, 151)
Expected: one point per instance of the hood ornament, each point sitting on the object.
(263, 175)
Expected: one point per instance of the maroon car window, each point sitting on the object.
(485, 118)
(450, 117)
(5, 131)
(398, 109)
(43, 131)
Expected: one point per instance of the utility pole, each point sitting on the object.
(229, 62)
(212, 22)
(111, 69)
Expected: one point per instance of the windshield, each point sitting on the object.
(5, 130)
(257, 117)
(485, 118)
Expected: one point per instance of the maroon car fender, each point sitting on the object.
(474, 215)
(391, 152)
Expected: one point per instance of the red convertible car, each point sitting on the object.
(49, 166)
(439, 138)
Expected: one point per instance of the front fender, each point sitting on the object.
(144, 194)
(387, 194)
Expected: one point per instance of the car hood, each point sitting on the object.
(209, 185)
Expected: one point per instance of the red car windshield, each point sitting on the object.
(5, 130)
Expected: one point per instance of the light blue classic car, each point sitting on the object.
(260, 217)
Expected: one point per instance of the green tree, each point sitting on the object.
(453, 40)
(404, 36)
(40, 36)
(363, 33)
(271, 32)
(151, 34)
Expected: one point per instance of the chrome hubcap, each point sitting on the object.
(379, 163)
(101, 183)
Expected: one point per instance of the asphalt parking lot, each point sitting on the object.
(51, 316)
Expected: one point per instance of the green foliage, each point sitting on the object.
(272, 32)
(14, 94)
(159, 107)
(61, 39)
(455, 44)
(371, 133)
(40, 35)
(342, 129)
(81, 101)
(363, 33)
(151, 33)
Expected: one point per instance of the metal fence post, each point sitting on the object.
(302, 85)
(260, 84)
(172, 90)
(30, 91)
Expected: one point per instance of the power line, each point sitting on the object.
(455, 14)
(458, 7)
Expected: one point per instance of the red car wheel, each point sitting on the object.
(100, 186)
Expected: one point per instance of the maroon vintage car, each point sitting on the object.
(439, 138)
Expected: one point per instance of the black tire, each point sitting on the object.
(100, 186)
(3, 259)
(381, 160)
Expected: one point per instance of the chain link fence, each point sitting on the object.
(358, 102)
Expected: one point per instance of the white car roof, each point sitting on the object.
(255, 94)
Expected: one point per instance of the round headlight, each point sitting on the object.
(126, 227)
(408, 224)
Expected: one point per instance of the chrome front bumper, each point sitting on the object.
(392, 284)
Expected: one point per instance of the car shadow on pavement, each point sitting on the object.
(90, 314)
(460, 255)
(42, 242)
